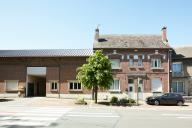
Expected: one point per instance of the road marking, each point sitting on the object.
(185, 115)
(105, 116)
(33, 116)
(87, 113)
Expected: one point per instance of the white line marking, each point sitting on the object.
(87, 113)
(184, 117)
(105, 116)
(177, 115)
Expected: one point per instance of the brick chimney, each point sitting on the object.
(97, 33)
(164, 34)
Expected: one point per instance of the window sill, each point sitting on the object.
(140, 66)
(157, 68)
(116, 68)
(132, 67)
(75, 90)
(114, 90)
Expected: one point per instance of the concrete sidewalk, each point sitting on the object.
(43, 102)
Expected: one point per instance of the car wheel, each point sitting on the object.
(156, 102)
(179, 103)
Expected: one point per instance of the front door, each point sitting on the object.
(131, 88)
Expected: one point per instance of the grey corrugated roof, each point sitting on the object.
(129, 41)
(182, 52)
(46, 53)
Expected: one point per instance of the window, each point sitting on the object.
(11, 85)
(115, 63)
(156, 85)
(140, 81)
(177, 87)
(130, 89)
(140, 61)
(156, 63)
(130, 81)
(135, 60)
(177, 67)
(115, 86)
(131, 62)
(75, 86)
(54, 85)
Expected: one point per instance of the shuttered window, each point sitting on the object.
(11, 85)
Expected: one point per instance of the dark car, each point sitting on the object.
(166, 99)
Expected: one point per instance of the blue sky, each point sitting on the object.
(62, 24)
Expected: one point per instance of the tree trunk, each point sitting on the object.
(93, 94)
(96, 89)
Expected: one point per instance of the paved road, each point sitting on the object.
(22, 115)
(125, 118)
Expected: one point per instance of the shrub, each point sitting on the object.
(114, 100)
(132, 101)
(123, 101)
(80, 100)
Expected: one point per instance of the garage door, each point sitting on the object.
(156, 85)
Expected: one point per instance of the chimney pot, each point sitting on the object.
(97, 34)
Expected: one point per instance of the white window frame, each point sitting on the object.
(117, 60)
(156, 60)
(74, 81)
(115, 90)
(13, 89)
(56, 87)
(177, 86)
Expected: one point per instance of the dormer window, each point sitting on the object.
(115, 63)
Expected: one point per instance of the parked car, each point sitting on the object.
(166, 99)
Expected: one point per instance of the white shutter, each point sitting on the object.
(156, 85)
(11, 85)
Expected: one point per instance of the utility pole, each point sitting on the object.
(137, 91)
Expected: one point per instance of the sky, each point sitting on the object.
(70, 24)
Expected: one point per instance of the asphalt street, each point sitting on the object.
(124, 118)
(26, 113)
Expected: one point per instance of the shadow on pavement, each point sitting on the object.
(5, 100)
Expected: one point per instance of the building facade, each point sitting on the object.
(50, 73)
(140, 63)
(182, 71)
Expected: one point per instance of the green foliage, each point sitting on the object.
(96, 72)
(131, 101)
(80, 100)
(114, 100)
(122, 102)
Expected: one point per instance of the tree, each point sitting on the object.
(96, 73)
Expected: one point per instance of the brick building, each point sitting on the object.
(141, 61)
(182, 71)
(50, 73)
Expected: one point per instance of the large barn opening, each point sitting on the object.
(36, 81)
